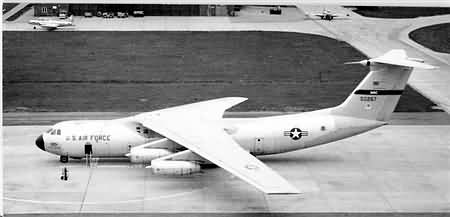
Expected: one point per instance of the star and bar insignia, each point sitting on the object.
(295, 133)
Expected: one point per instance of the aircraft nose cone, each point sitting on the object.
(40, 143)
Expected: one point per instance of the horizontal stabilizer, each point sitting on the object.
(397, 58)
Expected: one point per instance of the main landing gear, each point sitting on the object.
(64, 158)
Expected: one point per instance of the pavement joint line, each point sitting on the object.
(319, 190)
(83, 201)
(152, 212)
(266, 203)
(379, 192)
(145, 189)
(97, 203)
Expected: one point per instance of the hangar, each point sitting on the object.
(147, 9)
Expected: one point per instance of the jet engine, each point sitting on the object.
(163, 167)
(146, 155)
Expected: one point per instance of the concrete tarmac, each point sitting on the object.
(400, 168)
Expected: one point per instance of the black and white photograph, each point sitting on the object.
(225, 108)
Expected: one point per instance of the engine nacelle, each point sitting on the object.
(146, 155)
(163, 167)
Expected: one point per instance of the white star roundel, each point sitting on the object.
(296, 133)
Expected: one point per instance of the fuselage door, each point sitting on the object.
(258, 145)
(88, 149)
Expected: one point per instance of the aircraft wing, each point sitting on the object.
(319, 15)
(323, 15)
(199, 128)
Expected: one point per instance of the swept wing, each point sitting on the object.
(199, 128)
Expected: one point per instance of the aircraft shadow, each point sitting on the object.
(300, 158)
(272, 159)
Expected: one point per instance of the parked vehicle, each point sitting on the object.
(88, 14)
(276, 11)
(138, 13)
(122, 14)
(108, 15)
(62, 15)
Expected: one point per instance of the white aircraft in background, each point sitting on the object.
(179, 140)
(50, 25)
(326, 15)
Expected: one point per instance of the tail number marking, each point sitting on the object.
(368, 98)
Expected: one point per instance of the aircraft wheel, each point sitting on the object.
(64, 159)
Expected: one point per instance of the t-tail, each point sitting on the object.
(376, 97)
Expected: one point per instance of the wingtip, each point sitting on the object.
(235, 100)
(283, 190)
(238, 98)
(284, 193)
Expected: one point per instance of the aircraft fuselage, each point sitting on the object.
(260, 136)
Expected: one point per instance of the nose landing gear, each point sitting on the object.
(63, 158)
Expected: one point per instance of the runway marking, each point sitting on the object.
(101, 203)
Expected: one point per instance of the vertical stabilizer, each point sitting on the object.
(376, 97)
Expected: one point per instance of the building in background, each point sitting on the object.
(148, 10)
(50, 9)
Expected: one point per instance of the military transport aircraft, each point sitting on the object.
(51, 25)
(179, 140)
(326, 15)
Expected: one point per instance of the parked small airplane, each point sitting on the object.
(326, 15)
(51, 25)
(179, 140)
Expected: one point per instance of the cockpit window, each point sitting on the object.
(49, 130)
(53, 132)
(58, 132)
